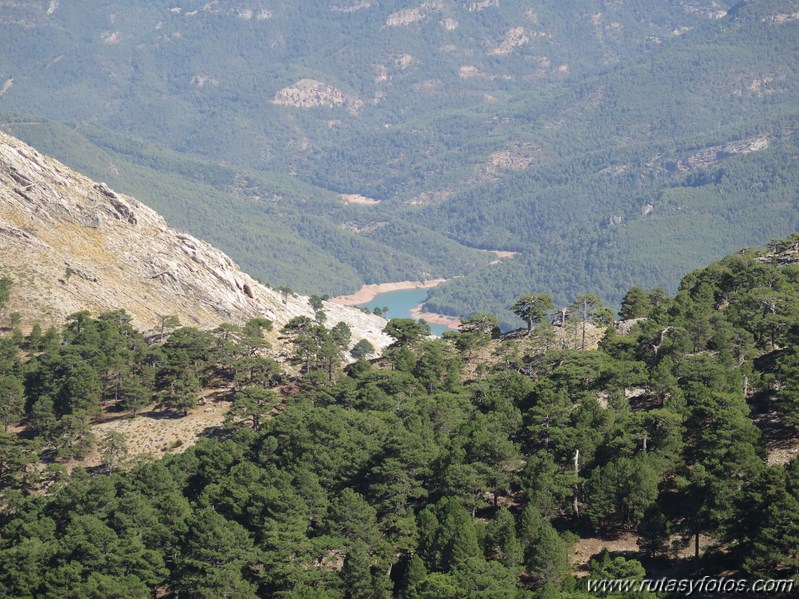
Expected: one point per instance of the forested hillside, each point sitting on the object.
(610, 144)
(468, 466)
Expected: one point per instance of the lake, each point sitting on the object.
(400, 303)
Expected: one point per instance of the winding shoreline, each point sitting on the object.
(452, 322)
(369, 292)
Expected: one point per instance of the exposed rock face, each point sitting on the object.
(514, 38)
(514, 157)
(72, 244)
(350, 6)
(405, 17)
(787, 254)
(624, 327)
(481, 5)
(449, 24)
(310, 93)
(714, 154)
(781, 18)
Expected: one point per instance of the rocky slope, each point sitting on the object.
(70, 244)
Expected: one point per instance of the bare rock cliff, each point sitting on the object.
(72, 244)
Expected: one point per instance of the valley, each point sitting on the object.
(228, 230)
(529, 463)
(605, 145)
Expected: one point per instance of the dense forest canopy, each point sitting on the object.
(464, 466)
(609, 144)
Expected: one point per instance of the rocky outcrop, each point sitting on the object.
(783, 253)
(514, 157)
(406, 16)
(711, 155)
(515, 37)
(310, 93)
(781, 18)
(350, 6)
(481, 5)
(625, 327)
(72, 244)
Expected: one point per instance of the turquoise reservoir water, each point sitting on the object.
(400, 304)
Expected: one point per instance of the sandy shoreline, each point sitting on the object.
(368, 292)
(452, 322)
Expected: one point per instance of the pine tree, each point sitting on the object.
(654, 532)
(414, 574)
(362, 349)
(635, 304)
(545, 552)
(532, 308)
(113, 449)
(12, 401)
(501, 543)
(252, 404)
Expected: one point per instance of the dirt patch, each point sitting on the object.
(782, 443)
(153, 433)
(354, 198)
(782, 454)
(587, 548)
(502, 253)
(626, 545)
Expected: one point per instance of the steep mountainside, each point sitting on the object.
(608, 143)
(459, 467)
(72, 244)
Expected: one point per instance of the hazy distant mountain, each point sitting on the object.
(327, 144)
